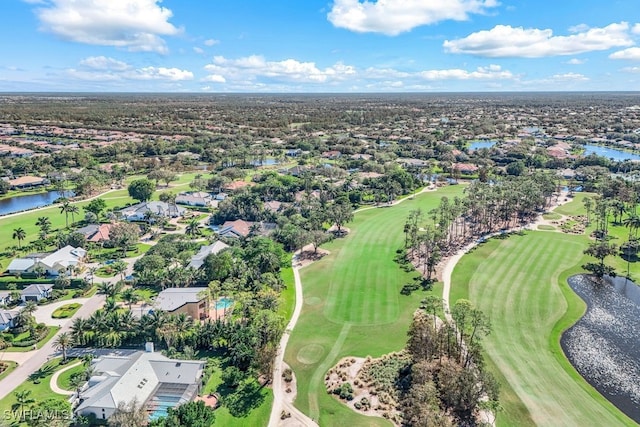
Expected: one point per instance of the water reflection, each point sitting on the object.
(604, 346)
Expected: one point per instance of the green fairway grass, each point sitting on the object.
(520, 282)
(353, 306)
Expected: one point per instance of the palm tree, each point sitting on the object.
(193, 228)
(65, 208)
(110, 305)
(30, 307)
(632, 222)
(20, 235)
(73, 210)
(120, 268)
(23, 398)
(45, 226)
(62, 343)
(130, 297)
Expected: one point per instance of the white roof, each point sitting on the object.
(64, 257)
(173, 298)
(20, 264)
(198, 259)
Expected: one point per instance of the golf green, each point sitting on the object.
(353, 305)
(520, 282)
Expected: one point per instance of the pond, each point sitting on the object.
(603, 345)
(476, 145)
(265, 162)
(610, 153)
(28, 201)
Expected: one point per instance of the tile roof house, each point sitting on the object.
(236, 186)
(95, 232)
(237, 228)
(198, 259)
(28, 182)
(137, 212)
(190, 301)
(151, 378)
(36, 292)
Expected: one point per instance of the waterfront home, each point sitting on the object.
(27, 182)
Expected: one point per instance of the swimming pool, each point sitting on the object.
(224, 303)
(160, 404)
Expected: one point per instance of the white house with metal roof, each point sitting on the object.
(152, 379)
(198, 259)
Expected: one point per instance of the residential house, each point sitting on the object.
(235, 186)
(238, 228)
(198, 198)
(5, 297)
(27, 182)
(95, 232)
(220, 196)
(139, 211)
(333, 154)
(198, 259)
(6, 319)
(66, 259)
(154, 380)
(190, 301)
(465, 168)
(36, 292)
(273, 206)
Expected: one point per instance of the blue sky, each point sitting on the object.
(319, 46)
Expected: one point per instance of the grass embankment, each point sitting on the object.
(10, 366)
(64, 379)
(66, 311)
(520, 282)
(353, 305)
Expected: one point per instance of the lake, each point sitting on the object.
(603, 345)
(476, 145)
(610, 153)
(28, 201)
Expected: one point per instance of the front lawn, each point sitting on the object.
(38, 386)
(64, 379)
(7, 367)
(66, 311)
(52, 331)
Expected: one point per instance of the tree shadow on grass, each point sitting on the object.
(41, 373)
(241, 401)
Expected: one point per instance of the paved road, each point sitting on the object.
(53, 382)
(44, 312)
(40, 357)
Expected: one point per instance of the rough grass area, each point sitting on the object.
(521, 283)
(353, 306)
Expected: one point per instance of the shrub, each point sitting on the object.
(287, 374)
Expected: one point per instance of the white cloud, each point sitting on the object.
(161, 73)
(492, 72)
(506, 41)
(631, 69)
(211, 42)
(288, 70)
(216, 78)
(636, 29)
(198, 50)
(101, 68)
(576, 61)
(632, 53)
(569, 77)
(580, 28)
(393, 17)
(104, 63)
(135, 25)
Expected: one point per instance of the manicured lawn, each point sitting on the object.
(520, 282)
(575, 206)
(288, 294)
(66, 311)
(546, 227)
(353, 305)
(38, 384)
(552, 216)
(11, 366)
(64, 380)
(52, 331)
(256, 404)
